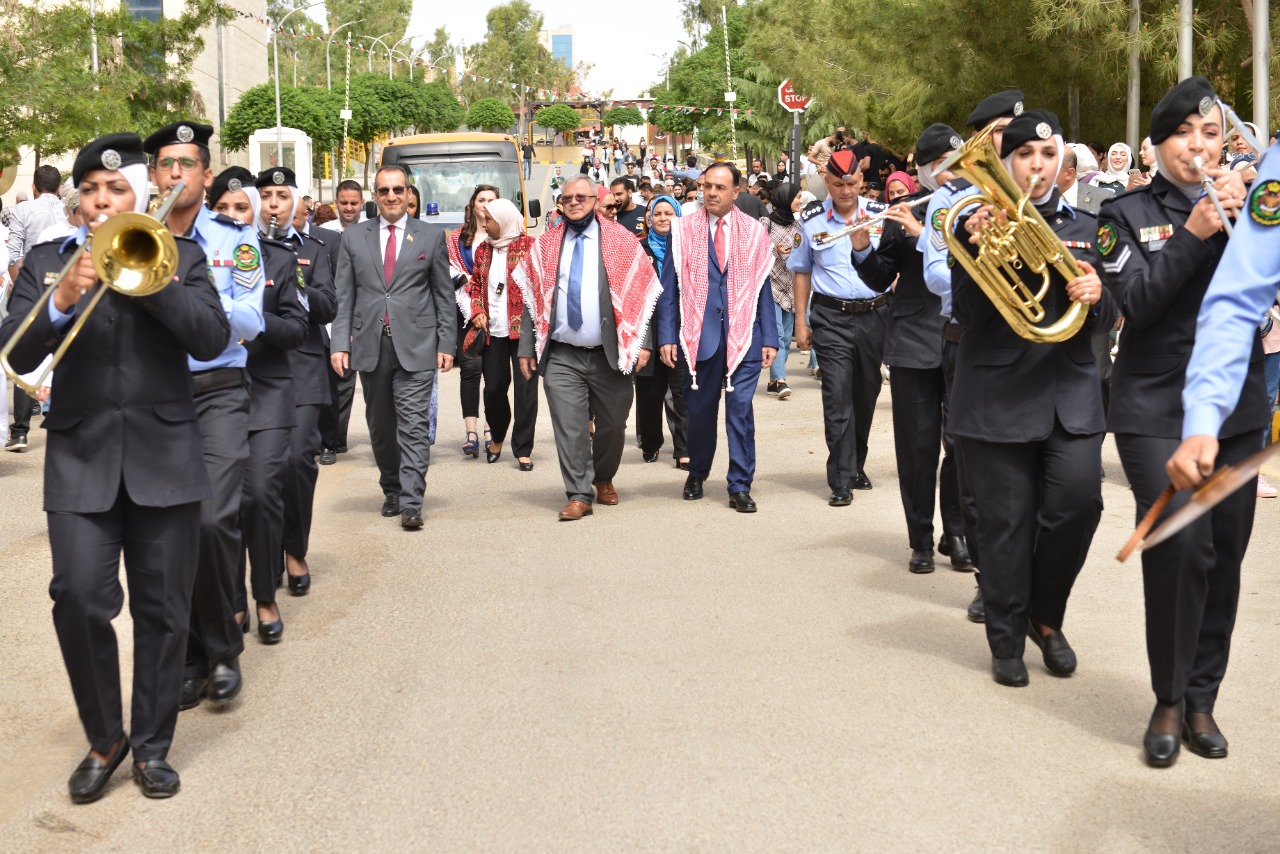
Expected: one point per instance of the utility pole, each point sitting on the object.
(730, 96)
(1132, 115)
(1185, 17)
(1261, 67)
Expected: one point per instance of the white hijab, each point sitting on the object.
(1053, 180)
(136, 175)
(1110, 176)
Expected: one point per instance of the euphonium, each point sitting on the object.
(133, 254)
(1023, 244)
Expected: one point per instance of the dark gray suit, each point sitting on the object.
(1089, 199)
(397, 370)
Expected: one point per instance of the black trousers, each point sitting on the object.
(501, 366)
(336, 416)
(1100, 344)
(652, 398)
(22, 406)
(1191, 582)
(849, 348)
(300, 482)
(918, 441)
(262, 512)
(470, 369)
(160, 545)
(224, 431)
(1040, 504)
(968, 504)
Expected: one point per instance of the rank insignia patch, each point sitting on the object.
(1264, 203)
(797, 240)
(1106, 238)
(936, 220)
(247, 258)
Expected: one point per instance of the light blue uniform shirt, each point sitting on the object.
(933, 245)
(831, 266)
(59, 319)
(234, 257)
(1243, 288)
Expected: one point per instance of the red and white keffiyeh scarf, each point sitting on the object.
(633, 286)
(749, 268)
(457, 267)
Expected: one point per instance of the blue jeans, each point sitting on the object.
(786, 328)
(1271, 365)
(813, 352)
(528, 169)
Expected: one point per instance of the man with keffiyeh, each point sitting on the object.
(712, 314)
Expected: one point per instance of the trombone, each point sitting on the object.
(866, 223)
(133, 255)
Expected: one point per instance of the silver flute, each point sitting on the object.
(866, 223)
(1207, 182)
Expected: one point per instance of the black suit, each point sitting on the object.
(1159, 272)
(1029, 419)
(272, 419)
(913, 352)
(123, 472)
(311, 387)
(657, 388)
(336, 416)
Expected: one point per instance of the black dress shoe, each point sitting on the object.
(193, 691)
(977, 612)
(270, 633)
(526, 466)
(921, 561)
(861, 482)
(649, 458)
(328, 457)
(692, 488)
(391, 507)
(300, 585)
(1210, 745)
(341, 449)
(1059, 657)
(841, 497)
(157, 779)
(225, 682)
(89, 780)
(491, 457)
(411, 520)
(682, 466)
(953, 546)
(1161, 748)
(741, 501)
(1010, 671)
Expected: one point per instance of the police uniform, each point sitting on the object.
(847, 317)
(221, 386)
(913, 352)
(1029, 419)
(122, 466)
(1159, 272)
(311, 373)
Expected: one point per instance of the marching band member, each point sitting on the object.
(1160, 245)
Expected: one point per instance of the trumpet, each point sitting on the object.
(866, 223)
(1207, 182)
(133, 255)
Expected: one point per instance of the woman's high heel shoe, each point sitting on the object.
(300, 585)
(471, 447)
(1161, 748)
(493, 456)
(270, 632)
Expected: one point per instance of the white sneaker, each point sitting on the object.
(1265, 490)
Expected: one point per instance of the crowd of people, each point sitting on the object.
(661, 291)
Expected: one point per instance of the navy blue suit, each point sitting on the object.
(703, 404)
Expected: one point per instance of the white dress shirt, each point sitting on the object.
(1072, 193)
(498, 295)
(383, 234)
(712, 219)
(589, 334)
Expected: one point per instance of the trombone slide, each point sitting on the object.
(866, 223)
(1207, 183)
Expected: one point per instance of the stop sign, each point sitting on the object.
(790, 101)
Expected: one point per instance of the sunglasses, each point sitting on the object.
(187, 163)
(578, 199)
(392, 191)
(609, 207)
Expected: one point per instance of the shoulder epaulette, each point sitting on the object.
(810, 211)
(955, 185)
(226, 220)
(874, 206)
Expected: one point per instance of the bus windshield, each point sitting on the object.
(450, 183)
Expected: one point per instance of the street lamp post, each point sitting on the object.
(275, 52)
(328, 80)
(408, 59)
(379, 40)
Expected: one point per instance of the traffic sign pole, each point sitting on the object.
(794, 104)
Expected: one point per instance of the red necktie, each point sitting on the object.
(389, 267)
(719, 243)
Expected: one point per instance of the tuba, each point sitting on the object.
(133, 255)
(1023, 245)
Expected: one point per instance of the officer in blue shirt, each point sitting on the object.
(847, 320)
(180, 152)
(1242, 290)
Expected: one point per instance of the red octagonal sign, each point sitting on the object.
(790, 101)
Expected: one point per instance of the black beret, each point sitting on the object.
(108, 152)
(1193, 95)
(936, 141)
(276, 176)
(178, 133)
(997, 106)
(842, 164)
(230, 180)
(1029, 127)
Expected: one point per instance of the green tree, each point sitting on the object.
(511, 53)
(623, 116)
(559, 117)
(307, 108)
(490, 114)
(436, 109)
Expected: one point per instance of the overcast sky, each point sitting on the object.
(616, 39)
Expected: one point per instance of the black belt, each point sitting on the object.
(218, 379)
(952, 333)
(850, 306)
(576, 347)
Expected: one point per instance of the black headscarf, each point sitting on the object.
(781, 198)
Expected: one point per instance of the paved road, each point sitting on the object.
(662, 676)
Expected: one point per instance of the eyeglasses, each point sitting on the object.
(187, 163)
(609, 207)
(392, 191)
(579, 199)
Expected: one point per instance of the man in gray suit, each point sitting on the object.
(1082, 197)
(395, 307)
